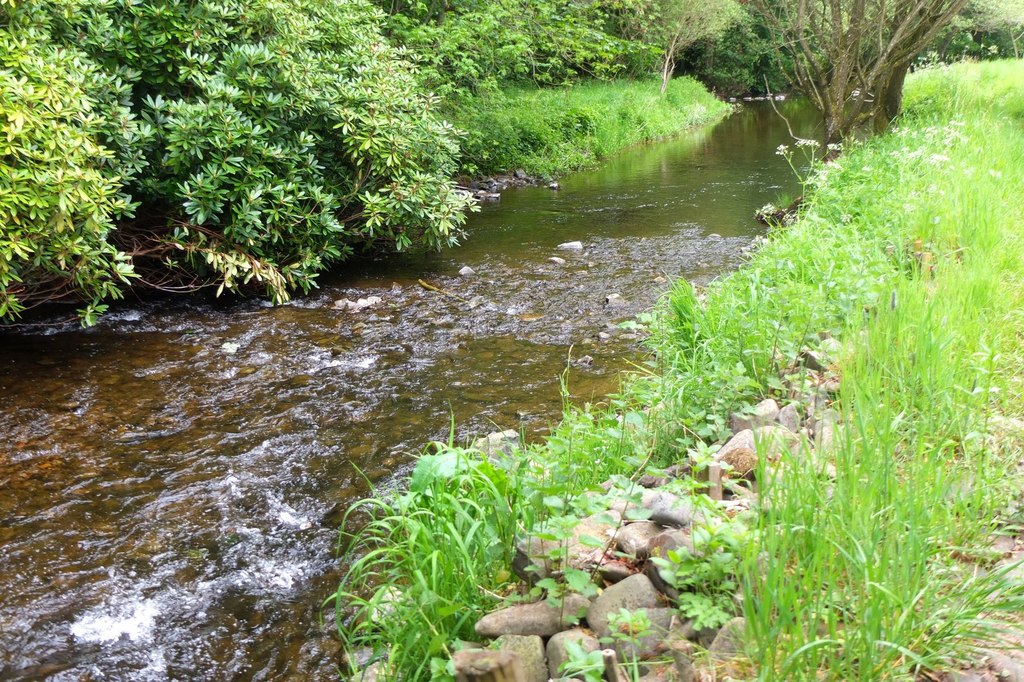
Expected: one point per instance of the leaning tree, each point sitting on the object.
(852, 56)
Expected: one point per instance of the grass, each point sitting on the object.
(868, 562)
(551, 131)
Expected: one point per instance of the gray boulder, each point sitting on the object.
(530, 651)
(635, 592)
(557, 653)
(667, 509)
(729, 642)
(634, 538)
(533, 560)
(649, 645)
(763, 413)
(789, 417)
(540, 618)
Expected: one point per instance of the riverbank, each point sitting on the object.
(548, 132)
(874, 545)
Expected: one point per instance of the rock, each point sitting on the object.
(659, 673)
(540, 618)
(652, 644)
(498, 442)
(1008, 669)
(634, 538)
(557, 654)
(520, 174)
(789, 417)
(635, 592)
(825, 430)
(603, 336)
(554, 185)
(813, 361)
(614, 300)
(372, 673)
(681, 656)
(357, 305)
(649, 481)
(467, 271)
(614, 571)
(571, 246)
(667, 509)
(583, 361)
(704, 637)
(669, 541)
(764, 413)
(556, 260)
(729, 641)
(530, 651)
(533, 556)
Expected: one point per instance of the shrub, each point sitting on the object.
(263, 140)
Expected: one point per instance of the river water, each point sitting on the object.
(171, 479)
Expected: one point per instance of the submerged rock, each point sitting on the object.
(467, 271)
(556, 260)
(571, 246)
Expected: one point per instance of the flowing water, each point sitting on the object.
(171, 480)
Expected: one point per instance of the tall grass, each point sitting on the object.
(551, 131)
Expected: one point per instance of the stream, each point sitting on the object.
(172, 479)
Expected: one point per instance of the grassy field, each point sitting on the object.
(861, 562)
(552, 131)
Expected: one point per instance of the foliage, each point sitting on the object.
(469, 46)
(424, 567)
(262, 140)
(547, 132)
(738, 61)
(707, 577)
(673, 26)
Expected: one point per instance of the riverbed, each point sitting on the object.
(171, 480)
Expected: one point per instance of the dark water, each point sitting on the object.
(170, 480)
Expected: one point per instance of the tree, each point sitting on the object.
(674, 25)
(851, 57)
(999, 15)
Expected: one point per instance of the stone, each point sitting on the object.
(556, 260)
(498, 442)
(789, 417)
(728, 642)
(372, 673)
(614, 300)
(530, 651)
(649, 645)
(614, 571)
(681, 657)
(571, 246)
(520, 174)
(635, 592)
(554, 185)
(812, 360)
(764, 413)
(532, 561)
(357, 305)
(1008, 669)
(667, 509)
(669, 541)
(467, 271)
(825, 430)
(557, 653)
(634, 538)
(539, 618)
(651, 481)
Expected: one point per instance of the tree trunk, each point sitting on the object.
(668, 67)
(890, 100)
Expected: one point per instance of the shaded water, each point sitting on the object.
(170, 480)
